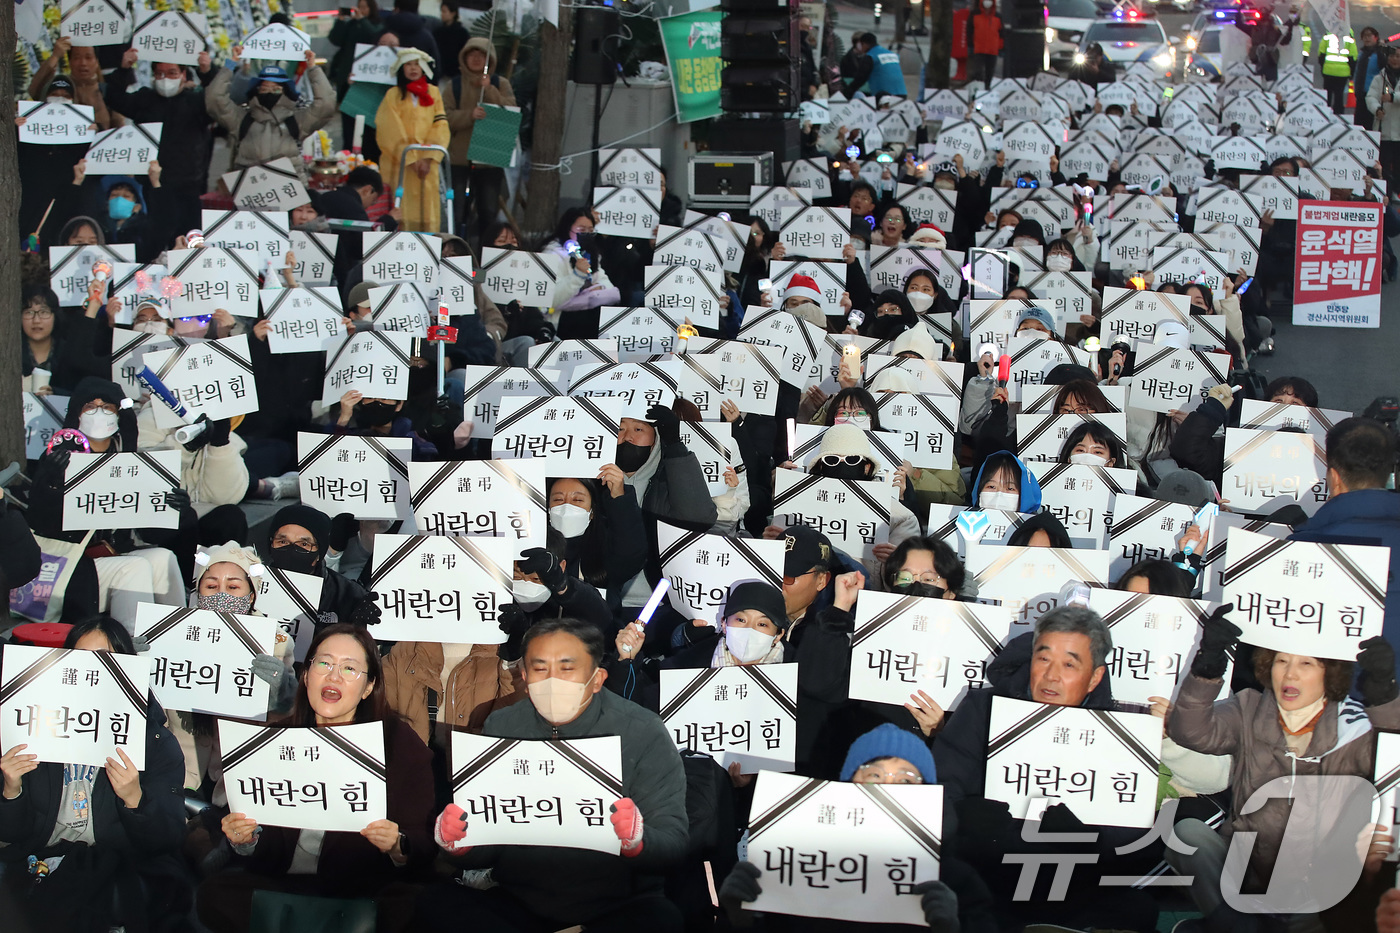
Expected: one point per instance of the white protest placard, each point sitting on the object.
(74, 706)
(890, 267)
(703, 567)
(1082, 497)
(213, 378)
(926, 205)
(627, 212)
(1028, 580)
(1041, 399)
(641, 333)
(638, 386)
(315, 256)
(486, 498)
(743, 713)
(802, 346)
(456, 287)
(1154, 640)
(170, 36)
(1135, 313)
(685, 246)
(767, 203)
(134, 284)
(712, 443)
(1069, 294)
(829, 276)
(751, 372)
(1030, 141)
(276, 42)
(1300, 597)
(1145, 529)
(94, 22)
(811, 174)
(733, 237)
(302, 319)
(944, 104)
(212, 278)
(630, 168)
(202, 661)
(120, 490)
(327, 778)
(373, 363)
(59, 123)
(364, 475)
(1267, 469)
(965, 138)
(906, 644)
(573, 436)
(1033, 358)
(814, 232)
(1102, 765)
(70, 268)
(1184, 265)
(1305, 118)
(685, 292)
(129, 349)
(877, 842)
(294, 600)
(483, 387)
(1212, 573)
(43, 415)
(1239, 241)
(1166, 378)
(1257, 413)
(1042, 436)
(554, 792)
(271, 186)
(928, 422)
(259, 233)
(1090, 157)
(1228, 206)
(514, 275)
(854, 514)
(942, 378)
(1386, 777)
(373, 64)
(402, 256)
(996, 525)
(403, 307)
(124, 150)
(567, 355)
(440, 588)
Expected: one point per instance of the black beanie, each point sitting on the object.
(313, 520)
(764, 597)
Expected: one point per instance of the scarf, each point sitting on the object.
(419, 89)
(1301, 721)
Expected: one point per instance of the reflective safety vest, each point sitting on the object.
(887, 77)
(1337, 56)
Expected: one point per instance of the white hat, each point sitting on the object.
(229, 552)
(406, 55)
(1172, 333)
(918, 340)
(894, 379)
(843, 440)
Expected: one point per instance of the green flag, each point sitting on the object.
(692, 52)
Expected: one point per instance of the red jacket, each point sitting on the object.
(984, 31)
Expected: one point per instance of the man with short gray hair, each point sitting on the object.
(1068, 654)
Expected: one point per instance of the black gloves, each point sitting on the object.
(539, 561)
(509, 617)
(940, 906)
(367, 612)
(1059, 818)
(740, 888)
(343, 527)
(1377, 679)
(215, 435)
(177, 499)
(668, 426)
(1217, 641)
(51, 467)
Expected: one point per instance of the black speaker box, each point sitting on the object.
(598, 31)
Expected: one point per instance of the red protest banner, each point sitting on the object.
(1337, 269)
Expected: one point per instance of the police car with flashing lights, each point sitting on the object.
(1130, 36)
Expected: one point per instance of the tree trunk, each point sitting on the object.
(901, 14)
(11, 425)
(940, 45)
(542, 205)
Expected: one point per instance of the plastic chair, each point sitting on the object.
(277, 912)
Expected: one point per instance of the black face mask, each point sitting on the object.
(846, 471)
(918, 588)
(630, 457)
(269, 100)
(374, 414)
(887, 327)
(293, 559)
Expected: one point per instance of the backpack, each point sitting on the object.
(457, 87)
(713, 847)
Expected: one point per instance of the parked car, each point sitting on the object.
(1065, 24)
(1131, 38)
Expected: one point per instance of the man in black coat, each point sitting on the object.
(412, 29)
(298, 541)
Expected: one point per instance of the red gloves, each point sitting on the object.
(627, 823)
(450, 830)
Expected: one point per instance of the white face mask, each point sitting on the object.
(1059, 262)
(167, 87)
(920, 300)
(529, 594)
(558, 701)
(945, 185)
(1003, 501)
(861, 421)
(569, 520)
(1025, 241)
(746, 644)
(98, 424)
(1088, 459)
(150, 327)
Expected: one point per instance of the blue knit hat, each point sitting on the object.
(1035, 313)
(890, 741)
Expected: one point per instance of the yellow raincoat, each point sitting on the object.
(403, 121)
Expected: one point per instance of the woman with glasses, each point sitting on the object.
(63, 350)
(894, 227)
(1080, 397)
(343, 683)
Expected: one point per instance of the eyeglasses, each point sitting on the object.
(870, 774)
(832, 460)
(789, 580)
(1075, 410)
(322, 667)
(38, 314)
(305, 544)
(853, 413)
(905, 577)
(99, 406)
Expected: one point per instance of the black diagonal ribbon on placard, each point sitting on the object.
(230, 354)
(174, 618)
(150, 461)
(320, 450)
(472, 769)
(341, 743)
(800, 795)
(71, 480)
(1126, 608)
(802, 485)
(715, 383)
(1236, 569)
(240, 632)
(1248, 447)
(135, 695)
(883, 618)
(926, 837)
(1124, 524)
(497, 574)
(604, 420)
(48, 407)
(31, 673)
(387, 455)
(293, 592)
(406, 548)
(605, 779)
(698, 429)
(1021, 728)
(1358, 576)
(746, 550)
(260, 739)
(1109, 720)
(439, 476)
(697, 683)
(619, 153)
(859, 488)
(1389, 780)
(534, 496)
(680, 544)
(775, 693)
